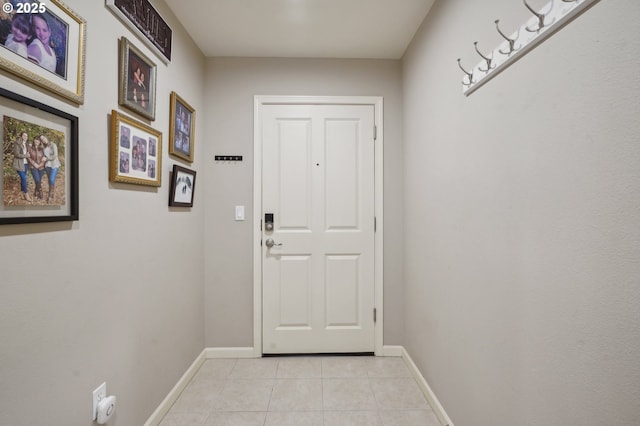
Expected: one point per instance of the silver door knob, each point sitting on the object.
(270, 243)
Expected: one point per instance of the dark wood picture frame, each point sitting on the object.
(40, 170)
(183, 187)
(145, 21)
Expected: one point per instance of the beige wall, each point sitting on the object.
(230, 88)
(522, 219)
(116, 296)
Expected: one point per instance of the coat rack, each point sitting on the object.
(540, 26)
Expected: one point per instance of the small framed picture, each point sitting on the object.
(137, 82)
(135, 152)
(40, 162)
(44, 43)
(183, 185)
(181, 128)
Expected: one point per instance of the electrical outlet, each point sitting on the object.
(98, 395)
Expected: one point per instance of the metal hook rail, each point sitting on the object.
(538, 28)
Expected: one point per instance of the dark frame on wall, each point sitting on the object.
(40, 162)
(183, 187)
(141, 17)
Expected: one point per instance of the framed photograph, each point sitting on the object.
(183, 186)
(137, 82)
(144, 20)
(135, 152)
(181, 128)
(40, 162)
(44, 43)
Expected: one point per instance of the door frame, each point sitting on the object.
(259, 102)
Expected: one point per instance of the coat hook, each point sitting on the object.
(469, 75)
(512, 42)
(489, 60)
(541, 16)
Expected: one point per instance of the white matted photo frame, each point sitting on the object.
(137, 81)
(40, 162)
(44, 43)
(183, 186)
(182, 124)
(135, 152)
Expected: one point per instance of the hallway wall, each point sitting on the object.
(117, 295)
(522, 220)
(231, 84)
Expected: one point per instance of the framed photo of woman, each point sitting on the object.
(182, 124)
(137, 82)
(44, 43)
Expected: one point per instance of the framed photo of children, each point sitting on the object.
(135, 152)
(137, 83)
(39, 177)
(44, 43)
(181, 128)
(183, 186)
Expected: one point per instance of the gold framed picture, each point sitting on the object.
(44, 43)
(135, 152)
(182, 124)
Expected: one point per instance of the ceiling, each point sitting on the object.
(380, 29)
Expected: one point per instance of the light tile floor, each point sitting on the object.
(302, 391)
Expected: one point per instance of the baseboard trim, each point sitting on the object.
(426, 390)
(388, 350)
(212, 353)
(173, 395)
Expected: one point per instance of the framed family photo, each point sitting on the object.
(137, 82)
(183, 186)
(40, 162)
(181, 128)
(135, 152)
(44, 43)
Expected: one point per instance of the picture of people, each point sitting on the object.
(33, 156)
(125, 140)
(139, 154)
(38, 37)
(137, 81)
(138, 74)
(137, 160)
(181, 128)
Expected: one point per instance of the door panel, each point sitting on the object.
(318, 181)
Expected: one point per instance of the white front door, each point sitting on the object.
(318, 182)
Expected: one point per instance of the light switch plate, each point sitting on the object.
(239, 212)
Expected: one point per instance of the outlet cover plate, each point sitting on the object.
(98, 395)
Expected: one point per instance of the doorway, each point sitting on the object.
(318, 225)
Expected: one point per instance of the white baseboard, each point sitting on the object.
(173, 395)
(388, 350)
(426, 390)
(212, 353)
